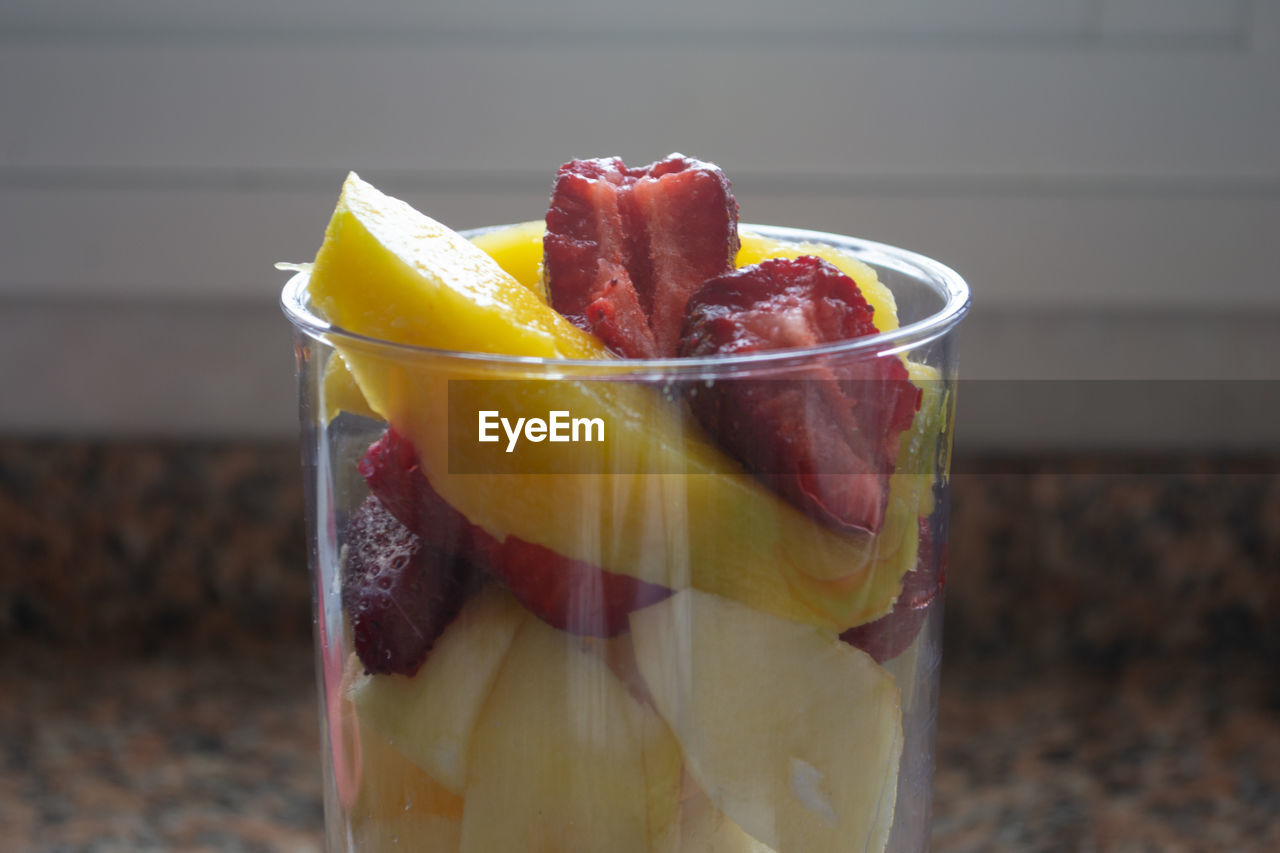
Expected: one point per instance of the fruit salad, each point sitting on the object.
(706, 623)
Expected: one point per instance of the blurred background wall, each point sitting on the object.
(1105, 173)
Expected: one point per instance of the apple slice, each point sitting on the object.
(407, 833)
(565, 758)
(392, 785)
(706, 829)
(400, 807)
(793, 734)
(430, 717)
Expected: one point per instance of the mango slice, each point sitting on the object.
(518, 250)
(388, 272)
(757, 248)
(341, 393)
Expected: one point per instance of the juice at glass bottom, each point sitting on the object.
(709, 624)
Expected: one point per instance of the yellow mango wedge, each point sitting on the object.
(757, 247)
(386, 271)
(515, 248)
(518, 250)
(341, 393)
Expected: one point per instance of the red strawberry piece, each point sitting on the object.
(825, 438)
(889, 636)
(390, 468)
(399, 593)
(571, 595)
(625, 248)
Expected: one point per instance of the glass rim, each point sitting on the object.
(948, 283)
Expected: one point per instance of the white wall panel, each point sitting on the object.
(1174, 18)
(1106, 173)
(918, 112)
(566, 17)
(1098, 251)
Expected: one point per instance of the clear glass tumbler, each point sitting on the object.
(632, 620)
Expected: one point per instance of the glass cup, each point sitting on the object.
(691, 610)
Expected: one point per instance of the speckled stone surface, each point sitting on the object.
(222, 754)
(1110, 674)
(1155, 755)
(147, 546)
(1100, 561)
(144, 546)
(194, 753)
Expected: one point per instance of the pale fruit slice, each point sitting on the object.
(392, 785)
(399, 806)
(389, 272)
(793, 734)
(916, 672)
(407, 833)
(430, 717)
(918, 452)
(706, 829)
(566, 759)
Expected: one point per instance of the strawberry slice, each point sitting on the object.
(889, 636)
(625, 248)
(828, 442)
(390, 469)
(399, 593)
(571, 595)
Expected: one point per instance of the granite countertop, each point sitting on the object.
(1109, 678)
(222, 754)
